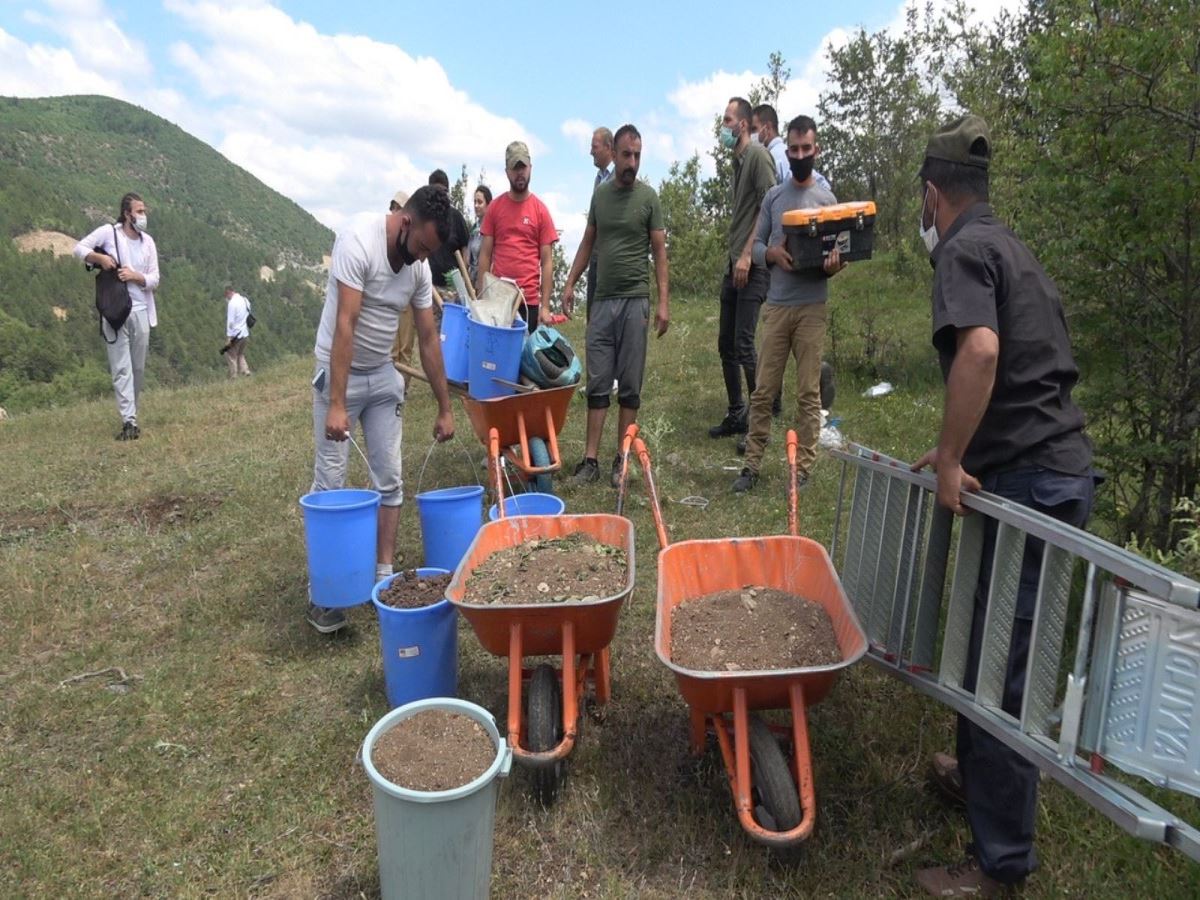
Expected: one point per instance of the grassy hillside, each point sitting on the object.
(64, 164)
(222, 764)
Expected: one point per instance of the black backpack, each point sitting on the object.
(112, 296)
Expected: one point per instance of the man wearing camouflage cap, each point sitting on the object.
(1009, 427)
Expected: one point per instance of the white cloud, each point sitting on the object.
(36, 70)
(93, 35)
(578, 131)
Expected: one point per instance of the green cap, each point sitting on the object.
(956, 142)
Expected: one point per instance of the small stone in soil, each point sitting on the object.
(411, 591)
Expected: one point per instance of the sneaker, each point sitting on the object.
(129, 431)
(587, 472)
(744, 482)
(616, 471)
(964, 879)
(741, 444)
(325, 621)
(733, 423)
(945, 776)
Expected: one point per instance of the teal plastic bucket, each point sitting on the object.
(494, 353)
(420, 646)
(339, 534)
(450, 518)
(455, 340)
(531, 504)
(436, 843)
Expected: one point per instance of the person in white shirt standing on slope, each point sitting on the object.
(237, 330)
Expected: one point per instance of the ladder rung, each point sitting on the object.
(998, 623)
(933, 583)
(1045, 646)
(961, 607)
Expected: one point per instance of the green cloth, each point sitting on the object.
(623, 219)
(753, 175)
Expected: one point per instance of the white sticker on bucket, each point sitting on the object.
(490, 366)
(408, 652)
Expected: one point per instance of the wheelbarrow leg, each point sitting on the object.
(514, 684)
(570, 688)
(699, 728)
(603, 677)
(803, 758)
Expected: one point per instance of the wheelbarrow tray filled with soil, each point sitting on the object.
(693, 569)
(593, 622)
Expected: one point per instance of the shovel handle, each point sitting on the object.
(793, 445)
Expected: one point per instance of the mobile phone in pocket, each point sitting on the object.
(318, 381)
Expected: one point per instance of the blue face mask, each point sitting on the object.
(728, 140)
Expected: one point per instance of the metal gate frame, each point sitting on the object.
(1132, 694)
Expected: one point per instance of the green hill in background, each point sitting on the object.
(64, 164)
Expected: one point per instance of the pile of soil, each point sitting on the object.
(572, 569)
(435, 750)
(752, 629)
(409, 590)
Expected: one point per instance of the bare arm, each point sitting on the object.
(582, 256)
(337, 423)
(968, 391)
(429, 343)
(546, 254)
(658, 248)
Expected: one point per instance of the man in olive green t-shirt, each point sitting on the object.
(625, 225)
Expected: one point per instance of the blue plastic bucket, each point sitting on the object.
(455, 339)
(450, 518)
(339, 533)
(531, 504)
(420, 647)
(494, 353)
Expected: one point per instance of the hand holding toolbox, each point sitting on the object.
(811, 234)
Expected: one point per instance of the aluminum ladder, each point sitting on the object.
(1131, 696)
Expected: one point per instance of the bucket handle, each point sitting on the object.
(429, 453)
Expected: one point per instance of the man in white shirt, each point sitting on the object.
(764, 128)
(237, 330)
(128, 250)
(378, 269)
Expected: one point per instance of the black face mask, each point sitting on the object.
(402, 249)
(802, 168)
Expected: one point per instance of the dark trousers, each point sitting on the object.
(1000, 786)
(735, 335)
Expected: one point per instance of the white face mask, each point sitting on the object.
(928, 235)
(139, 222)
(756, 137)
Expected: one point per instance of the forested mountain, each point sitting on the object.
(64, 164)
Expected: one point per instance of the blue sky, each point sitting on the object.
(337, 105)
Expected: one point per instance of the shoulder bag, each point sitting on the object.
(112, 296)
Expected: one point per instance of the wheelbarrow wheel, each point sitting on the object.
(539, 455)
(545, 729)
(777, 803)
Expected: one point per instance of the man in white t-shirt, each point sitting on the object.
(237, 332)
(378, 269)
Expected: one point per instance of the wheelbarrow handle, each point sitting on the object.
(494, 464)
(793, 445)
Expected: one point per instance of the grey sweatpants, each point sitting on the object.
(127, 360)
(376, 399)
(616, 349)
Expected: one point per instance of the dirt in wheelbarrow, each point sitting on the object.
(752, 629)
(572, 569)
(409, 590)
(434, 750)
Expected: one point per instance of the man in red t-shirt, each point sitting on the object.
(519, 235)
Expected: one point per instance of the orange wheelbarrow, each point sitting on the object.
(773, 794)
(544, 702)
(526, 425)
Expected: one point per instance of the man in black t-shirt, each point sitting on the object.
(1011, 428)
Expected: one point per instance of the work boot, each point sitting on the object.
(744, 482)
(587, 472)
(945, 776)
(964, 879)
(324, 620)
(733, 423)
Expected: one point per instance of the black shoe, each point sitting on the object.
(615, 480)
(777, 406)
(324, 620)
(733, 423)
(129, 431)
(741, 445)
(744, 482)
(587, 472)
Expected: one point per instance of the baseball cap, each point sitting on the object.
(956, 142)
(517, 152)
(401, 198)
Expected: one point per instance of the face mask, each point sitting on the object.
(139, 222)
(728, 140)
(928, 235)
(756, 137)
(402, 249)
(802, 168)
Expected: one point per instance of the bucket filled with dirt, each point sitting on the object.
(434, 767)
(569, 569)
(418, 635)
(754, 628)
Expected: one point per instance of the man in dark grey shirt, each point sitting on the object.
(793, 320)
